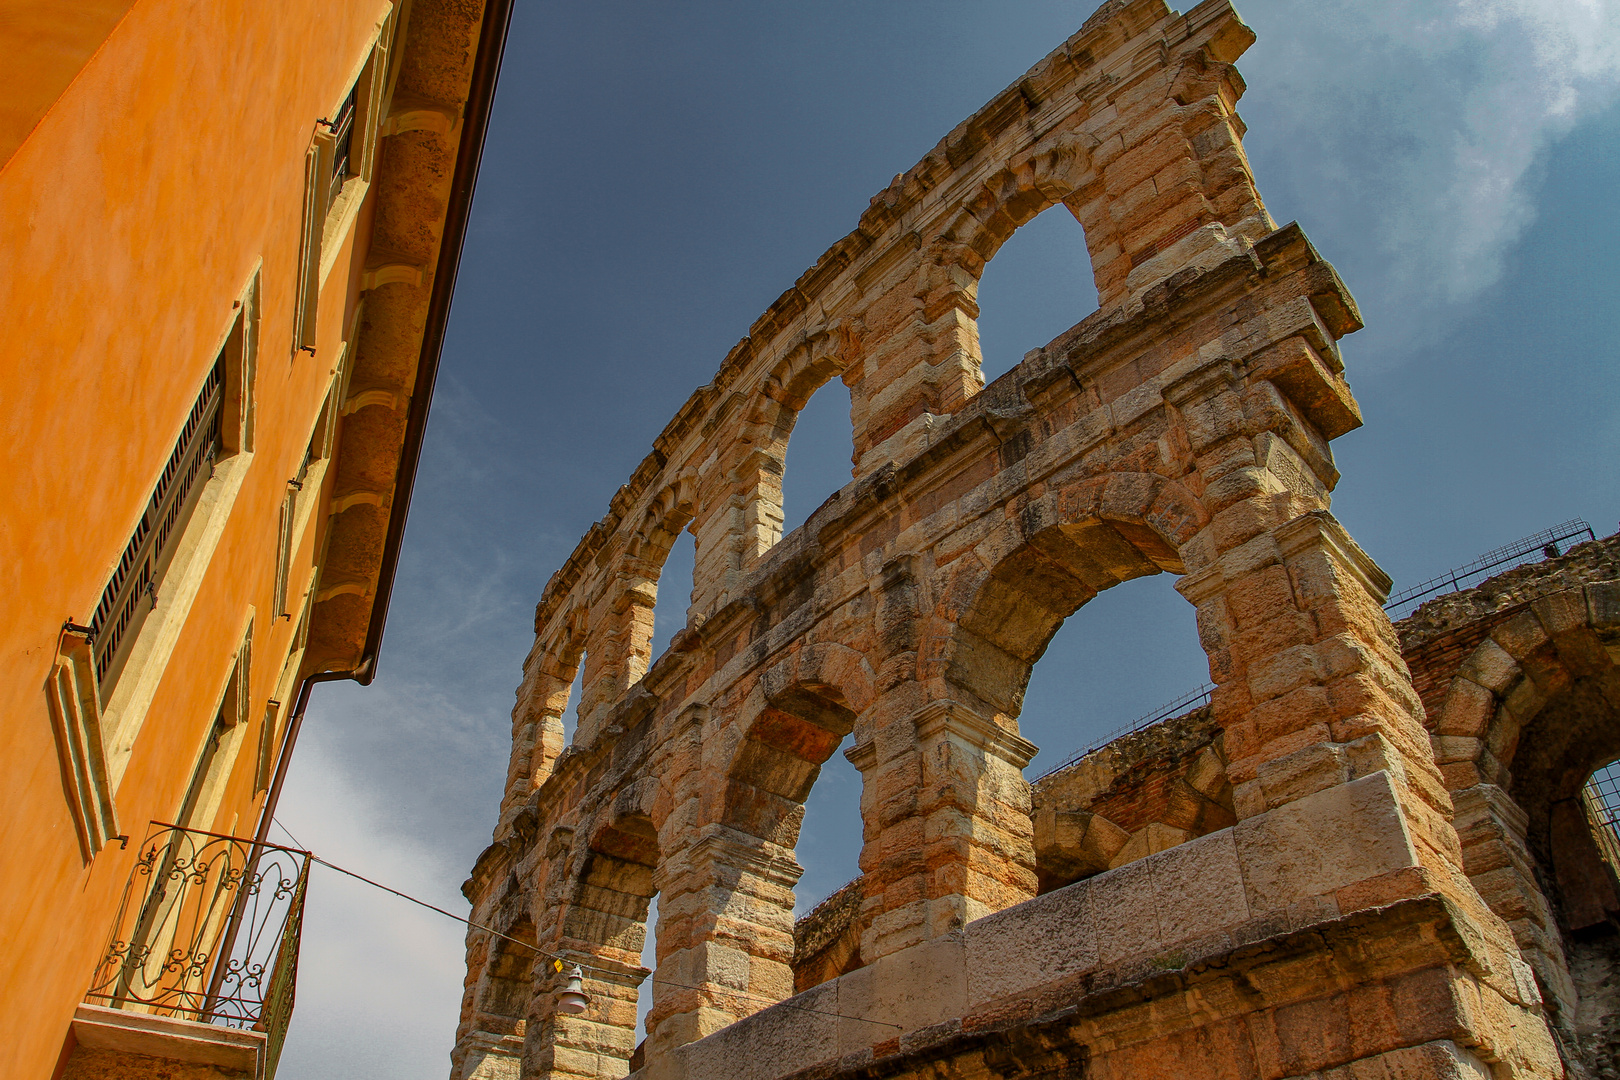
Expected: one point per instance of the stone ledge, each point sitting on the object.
(780, 1045)
(1277, 874)
(231, 1050)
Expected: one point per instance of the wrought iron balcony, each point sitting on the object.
(208, 931)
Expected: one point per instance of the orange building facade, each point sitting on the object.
(229, 234)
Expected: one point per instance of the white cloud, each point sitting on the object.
(379, 984)
(1411, 132)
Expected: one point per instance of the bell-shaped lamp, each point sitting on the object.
(572, 999)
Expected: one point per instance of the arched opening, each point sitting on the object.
(779, 761)
(576, 690)
(1563, 778)
(1132, 761)
(607, 922)
(1024, 598)
(500, 1007)
(644, 993)
(1127, 657)
(1135, 763)
(1528, 738)
(674, 591)
(818, 457)
(788, 759)
(829, 844)
(1038, 285)
(827, 901)
(509, 983)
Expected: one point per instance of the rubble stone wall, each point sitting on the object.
(1522, 702)
(1183, 428)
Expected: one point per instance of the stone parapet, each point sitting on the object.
(1327, 881)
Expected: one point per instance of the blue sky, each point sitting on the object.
(657, 173)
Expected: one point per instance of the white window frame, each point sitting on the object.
(327, 223)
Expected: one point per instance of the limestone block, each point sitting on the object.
(1150, 839)
(1301, 773)
(1199, 888)
(925, 984)
(1126, 902)
(1469, 706)
(774, 1042)
(1051, 937)
(1439, 1060)
(1520, 635)
(1562, 611)
(1323, 842)
(1603, 604)
(1208, 773)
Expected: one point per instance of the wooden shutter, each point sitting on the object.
(317, 170)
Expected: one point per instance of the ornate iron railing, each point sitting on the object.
(208, 930)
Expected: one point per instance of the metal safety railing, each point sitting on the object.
(1546, 543)
(1602, 797)
(208, 930)
(1192, 699)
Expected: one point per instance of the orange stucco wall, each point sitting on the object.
(131, 217)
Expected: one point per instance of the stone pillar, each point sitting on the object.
(594, 1045)
(1492, 829)
(537, 734)
(1174, 188)
(759, 487)
(725, 935)
(923, 359)
(617, 650)
(485, 1055)
(948, 831)
(1310, 687)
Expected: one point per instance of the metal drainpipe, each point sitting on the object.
(481, 95)
(266, 818)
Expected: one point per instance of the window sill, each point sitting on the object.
(339, 221)
(125, 711)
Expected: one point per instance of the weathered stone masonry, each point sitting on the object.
(1182, 428)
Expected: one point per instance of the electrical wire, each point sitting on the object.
(299, 843)
(572, 960)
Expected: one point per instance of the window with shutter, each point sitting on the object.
(110, 662)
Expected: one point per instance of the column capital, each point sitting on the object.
(1320, 529)
(720, 846)
(951, 719)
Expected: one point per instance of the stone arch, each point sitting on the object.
(1055, 171)
(727, 897)
(604, 928)
(624, 631)
(619, 626)
(1188, 420)
(1530, 714)
(1039, 568)
(501, 996)
(1178, 195)
(668, 513)
(780, 756)
(538, 736)
(766, 428)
